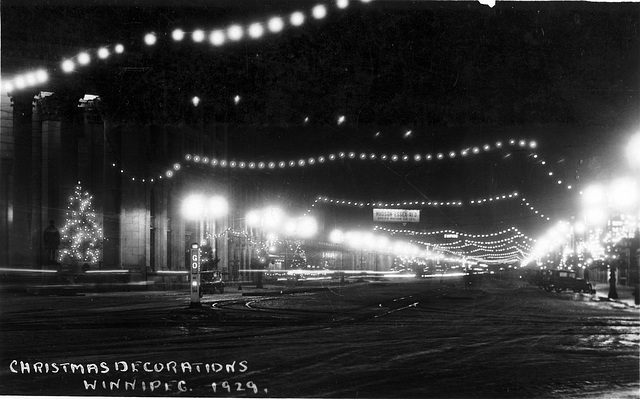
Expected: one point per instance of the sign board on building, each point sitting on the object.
(396, 215)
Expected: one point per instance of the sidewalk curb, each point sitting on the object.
(621, 302)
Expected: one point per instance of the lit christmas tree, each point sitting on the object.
(81, 234)
(299, 258)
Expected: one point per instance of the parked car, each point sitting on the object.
(540, 278)
(562, 280)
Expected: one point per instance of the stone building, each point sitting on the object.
(51, 142)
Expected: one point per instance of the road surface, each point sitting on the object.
(412, 339)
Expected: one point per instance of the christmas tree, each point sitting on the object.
(81, 234)
(299, 258)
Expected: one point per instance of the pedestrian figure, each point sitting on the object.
(613, 293)
(51, 238)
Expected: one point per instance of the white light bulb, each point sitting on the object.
(275, 24)
(297, 18)
(217, 37)
(235, 32)
(30, 78)
(319, 11)
(197, 36)
(177, 34)
(256, 30)
(83, 58)
(150, 39)
(68, 66)
(8, 87)
(103, 53)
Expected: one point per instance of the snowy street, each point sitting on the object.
(378, 339)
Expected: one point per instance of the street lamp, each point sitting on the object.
(203, 210)
(632, 150)
(615, 206)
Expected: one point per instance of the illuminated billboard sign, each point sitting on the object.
(396, 215)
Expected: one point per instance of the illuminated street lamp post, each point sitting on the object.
(606, 206)
(273, 221)
(632, 151)
(199, 208)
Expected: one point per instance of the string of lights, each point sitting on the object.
(527, 204)
(455, 233)
(508, 243)
(327, 200)
(468, 256)
(216, 37)
(253, 165)
(351, 155)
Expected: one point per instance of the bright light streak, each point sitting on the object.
(444, 275)
(253, 218)
(595, 195)
(595, 216)
(172, 272)
(30, 78)
(218, 206)
(382, 242)
(399, 275)
(368, 241)
(632, 150)
(8, 87)
(290, 227)
(193, 207)
(624, 194)
(273, 218)
(336, 236)
(307, 227)
(42, 76)
(8, 269)
(114, 271)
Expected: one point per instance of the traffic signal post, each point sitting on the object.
(194, 275)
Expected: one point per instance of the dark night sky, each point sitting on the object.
(455, 74)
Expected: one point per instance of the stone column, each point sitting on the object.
(21, 235)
